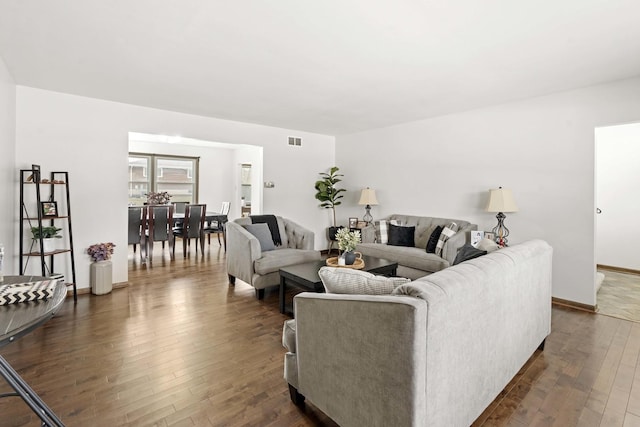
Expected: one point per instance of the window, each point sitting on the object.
(178, 176)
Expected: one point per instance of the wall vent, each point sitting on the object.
(295, 141)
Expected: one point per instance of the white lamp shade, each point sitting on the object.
(368, 197)
(501, 200)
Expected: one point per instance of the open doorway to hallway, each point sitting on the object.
(617, 225)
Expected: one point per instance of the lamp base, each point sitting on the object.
(367, 216)
(500, 231)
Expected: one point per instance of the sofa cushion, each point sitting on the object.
(447, 232)
(349, 281)
(382, 230)
(289, 335)
(263, 234)
(401, 236)
(415, 258)
(466, 253)
(433, 240)
(272, 261)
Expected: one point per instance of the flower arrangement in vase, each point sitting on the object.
(101, 251)
(158, 198)
(347, 242)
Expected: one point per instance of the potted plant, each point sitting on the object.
(158, 198)
(329, 195)
(347, 242)
(48, 235)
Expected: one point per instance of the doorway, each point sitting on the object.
(617, 227)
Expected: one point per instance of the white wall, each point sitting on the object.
(8, 176)
(89, 138)
(541, 148)
(618, 195)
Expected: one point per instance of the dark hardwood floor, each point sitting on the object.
(179, 347)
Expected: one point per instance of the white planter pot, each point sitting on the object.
(48, 245)
(101, 277)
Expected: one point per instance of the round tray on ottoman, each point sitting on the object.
(358, 264)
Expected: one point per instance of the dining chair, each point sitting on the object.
(217, 226)
(160, 228)
(137, 229)
(192, 227)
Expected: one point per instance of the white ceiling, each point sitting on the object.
(328, 66)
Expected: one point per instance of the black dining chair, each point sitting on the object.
(216, 226)
(137, 229)
(160, 228)
(192, 227)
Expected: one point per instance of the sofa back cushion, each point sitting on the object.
(337, 280)
(425, 226)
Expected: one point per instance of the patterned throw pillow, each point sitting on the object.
(382, 230)
(447, 232)
(338, 280)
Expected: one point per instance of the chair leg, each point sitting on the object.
(134, 248)
(185, 242)
(232, 280)
(296, 397)
(150, 251)
(218, 233)
(172, 247)
(201, 245)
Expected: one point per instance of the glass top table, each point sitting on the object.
(17, 320)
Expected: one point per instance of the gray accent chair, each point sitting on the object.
(435, 352)
(247, 262)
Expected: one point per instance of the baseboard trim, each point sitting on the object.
(573, 304)
(618, 269)
(84, 291)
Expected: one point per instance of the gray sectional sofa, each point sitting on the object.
(415, 262)
(435, 352)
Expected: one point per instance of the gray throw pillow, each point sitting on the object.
(337, 280)
(262, 233)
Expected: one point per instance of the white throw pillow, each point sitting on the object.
(487, 245)
(447, 232)
(338, 280)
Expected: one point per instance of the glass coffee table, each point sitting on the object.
(305, 276)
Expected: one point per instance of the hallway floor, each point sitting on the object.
(619, 295)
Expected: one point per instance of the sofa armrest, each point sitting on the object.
(243, 248)
(298, 236)
(372, 348)
(455, 242)
(368, 234)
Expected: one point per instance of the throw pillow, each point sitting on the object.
(263, 234)
(433, 240)
(338, 280)
(447, 232)
(382, 230)
(468, 252)
(487, 245)
(402, 236)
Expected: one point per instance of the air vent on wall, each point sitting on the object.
(295, 141)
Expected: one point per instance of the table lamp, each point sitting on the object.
(500, 201)
(368, 198)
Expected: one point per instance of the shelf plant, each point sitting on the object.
(49, 232)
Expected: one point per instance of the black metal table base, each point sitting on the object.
(27, 394)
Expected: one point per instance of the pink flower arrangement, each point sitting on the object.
(101, 251)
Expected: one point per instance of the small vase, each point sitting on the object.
(101, 277)
(349, 258)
